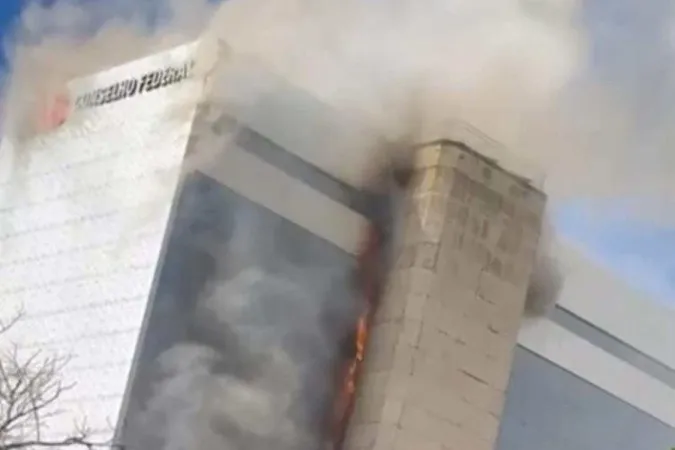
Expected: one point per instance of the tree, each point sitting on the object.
(30, 386)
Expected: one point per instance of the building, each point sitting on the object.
(114, 222)
(440, 353)
(597, 372)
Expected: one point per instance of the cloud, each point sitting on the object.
(640, 253)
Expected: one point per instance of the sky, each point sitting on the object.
(631, 47)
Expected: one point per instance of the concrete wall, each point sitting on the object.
(439, 354)
(83, 212)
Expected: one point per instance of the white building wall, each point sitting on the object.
(607, 372)
(595, 296)
(599, 297)
(83, 212)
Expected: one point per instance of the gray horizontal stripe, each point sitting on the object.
(613, 346)
(300, 169)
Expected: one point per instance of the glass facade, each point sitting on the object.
(251, 316)
(548, 408)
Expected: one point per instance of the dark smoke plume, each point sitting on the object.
(547, 277)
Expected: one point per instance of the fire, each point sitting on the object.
(369, 282)
(53, 112)
(361, 338)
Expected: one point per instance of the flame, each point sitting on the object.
(361, 338)
(53, 112)
(368, 280)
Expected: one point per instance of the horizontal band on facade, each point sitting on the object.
(593, 364)
(612, 345)
(599, 298)
(288, 197)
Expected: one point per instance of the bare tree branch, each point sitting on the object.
(6, 324)
(30, 387)
(71, 441)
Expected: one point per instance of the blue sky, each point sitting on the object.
(631, 49)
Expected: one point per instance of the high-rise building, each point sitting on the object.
(193, 253)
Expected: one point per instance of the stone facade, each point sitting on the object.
(440, 349)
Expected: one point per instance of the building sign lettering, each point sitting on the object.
(150, 81)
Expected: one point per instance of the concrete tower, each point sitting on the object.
(440, 350)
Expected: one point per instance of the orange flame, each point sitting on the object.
(53, 112)
(369, 283)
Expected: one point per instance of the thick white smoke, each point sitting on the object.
(406, 68)
(515, 69)
(411, 68)
(240, 395)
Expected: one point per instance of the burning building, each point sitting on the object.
(441, 346)
(220, 283)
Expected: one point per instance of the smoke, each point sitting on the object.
(410, 69)
(52, 45)
(547, 277)
(515, 69)
(248, 387)
(407, 69)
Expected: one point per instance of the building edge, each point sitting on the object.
(440, 349)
